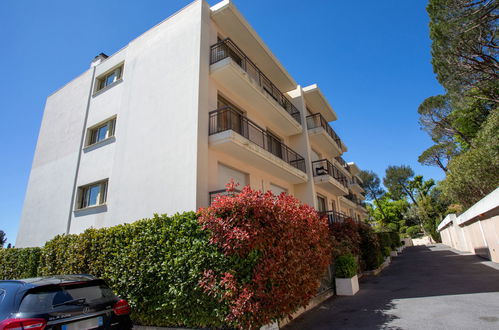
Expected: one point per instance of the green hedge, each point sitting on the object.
(396, 241)
(155, 264)
(19, 263)
(371, 256)
(385, 242)
(345, 266)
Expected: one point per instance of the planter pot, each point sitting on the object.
(347, 286)
(393, 254)
(399, 249)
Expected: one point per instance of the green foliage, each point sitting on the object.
(395, 240)
(371, 255)
(464, 47)
(345, 266)
(475, 173)
(156, 264)
(385, 242)
(393, 212)
(396, 180)
(438, 155)
(19, 263)
(3, 239)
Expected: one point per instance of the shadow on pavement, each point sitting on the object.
(419, 272)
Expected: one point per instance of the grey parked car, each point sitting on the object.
(66, 302)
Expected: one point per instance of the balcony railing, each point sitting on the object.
(222, 192)
(355, 199)
(357, 181)
(323, 167)
(335, 217)
(227, 48)
(226, 118)
(342, 162)
(317, 120)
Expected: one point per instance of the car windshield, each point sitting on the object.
(52, 298)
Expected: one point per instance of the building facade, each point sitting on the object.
(164, 123)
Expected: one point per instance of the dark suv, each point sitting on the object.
(66, 302)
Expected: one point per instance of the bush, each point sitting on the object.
(345, 266)
(258, 258)
(371, 255)
(279, 251)
(385, 241)
(346, 238)
(19, 263)
(386, 251)
(395, 238)
(156, 264)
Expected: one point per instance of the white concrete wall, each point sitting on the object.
(152, 163)
(476, 230)
(50, 185)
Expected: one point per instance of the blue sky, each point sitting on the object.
(370, 58)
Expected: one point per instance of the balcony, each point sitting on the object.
(334, 217)
(356, 185)
(323, 137)
(329, 177)
(236, 135)
(231, 68)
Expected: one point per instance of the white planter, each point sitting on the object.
(270, 326)
(347, 286)
(393, 254)
(399, 249)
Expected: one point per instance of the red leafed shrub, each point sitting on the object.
(346, 237)
(278, 249)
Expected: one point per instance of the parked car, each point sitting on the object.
(67, 302)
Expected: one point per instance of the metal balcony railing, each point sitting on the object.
(323, 167)
(342, 162)
(334, 217)
(227, 48)
(317, 120)
(227, 118)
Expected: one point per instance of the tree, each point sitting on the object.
(465, 45)
(396, 180)
(3, 239)
(372, 186)
(475, 173)
(438, 155)
(435, 118)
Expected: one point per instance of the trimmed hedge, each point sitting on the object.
(155, 264)
(19, 263)
(385, 242)
(345, 266)
(371, 256)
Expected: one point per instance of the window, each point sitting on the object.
(321, 204)
(101, 132)
(94, 194)
(109, 78)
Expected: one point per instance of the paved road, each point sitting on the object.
(427, 287)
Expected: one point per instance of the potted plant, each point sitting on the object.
(347, 282)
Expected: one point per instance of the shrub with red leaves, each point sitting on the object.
(279, 250)
(346, 237)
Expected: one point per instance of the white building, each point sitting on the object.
(154, 128)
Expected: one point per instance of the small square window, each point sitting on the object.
(94, 194)
(101, 132)
(109, 78)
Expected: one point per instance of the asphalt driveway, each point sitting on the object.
(427, 287)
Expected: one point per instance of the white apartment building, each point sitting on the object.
(164, 123)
